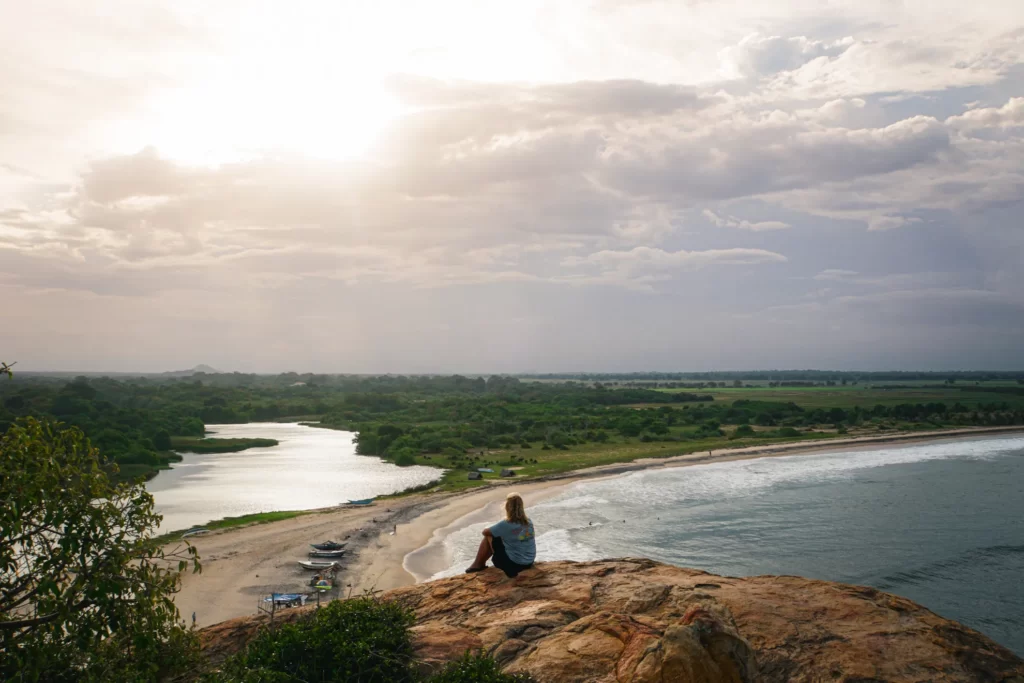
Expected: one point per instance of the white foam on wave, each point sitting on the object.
(577, 501)
(715, 481)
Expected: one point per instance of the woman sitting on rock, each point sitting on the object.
(509, 543)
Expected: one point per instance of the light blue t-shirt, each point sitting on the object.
(520, 545)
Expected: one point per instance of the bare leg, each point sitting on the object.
(483, 554)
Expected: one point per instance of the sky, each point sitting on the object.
(527, 186)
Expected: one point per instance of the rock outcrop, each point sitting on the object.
(639, 620)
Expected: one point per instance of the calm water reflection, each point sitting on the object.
(309, 468)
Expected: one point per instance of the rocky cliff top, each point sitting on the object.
(642, 621)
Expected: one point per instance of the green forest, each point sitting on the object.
(536, 425)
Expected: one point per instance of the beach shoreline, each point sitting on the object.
(398, 542)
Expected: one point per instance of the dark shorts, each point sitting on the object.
(502, 561)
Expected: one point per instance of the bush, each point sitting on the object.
(788, 431)
(405, 458)
(347, 641)
(743, 430)
(475, 668)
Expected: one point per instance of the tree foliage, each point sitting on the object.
(84, 593)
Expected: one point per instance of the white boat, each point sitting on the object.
(195, 532)
(314, 566)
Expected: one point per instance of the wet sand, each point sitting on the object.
(242, 565)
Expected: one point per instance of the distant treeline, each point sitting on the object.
(814, 376)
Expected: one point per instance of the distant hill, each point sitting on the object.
(188, 373)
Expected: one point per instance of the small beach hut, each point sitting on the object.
(475, 475)
(506, 472)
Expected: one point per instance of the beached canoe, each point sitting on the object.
(328, 545)
(326, 553)
(313, 565)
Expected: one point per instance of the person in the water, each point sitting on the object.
(510, 543)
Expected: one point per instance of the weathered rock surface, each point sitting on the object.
(639, 620)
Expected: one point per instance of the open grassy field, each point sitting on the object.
(868, 396)
(535, 462)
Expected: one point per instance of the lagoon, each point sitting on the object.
(310, 468)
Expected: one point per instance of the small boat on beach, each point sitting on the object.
(286, 599)
(195, 532)
(314, 566)
(328, 545)
(326, 553)
(361, 501)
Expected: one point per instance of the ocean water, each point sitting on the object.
(941, 524)
(309, 468)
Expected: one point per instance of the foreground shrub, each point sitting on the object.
(346, 641)
(362, 640)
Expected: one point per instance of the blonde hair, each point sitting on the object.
(515, 511)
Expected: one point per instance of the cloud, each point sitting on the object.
(743, 224)
(757, 56)
(1003, 119)
(835, 274)
(640, 267)
(890, 222)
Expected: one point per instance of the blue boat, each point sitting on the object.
(364, 501)
(286, 599)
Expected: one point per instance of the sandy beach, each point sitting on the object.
(397, 542)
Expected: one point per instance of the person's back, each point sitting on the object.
(520, 545)
(510, 544)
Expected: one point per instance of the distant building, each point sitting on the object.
(508, 473)
(475, 475)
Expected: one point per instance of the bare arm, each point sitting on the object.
(487, 532)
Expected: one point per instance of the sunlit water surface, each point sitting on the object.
(942, 524)
(309, 468)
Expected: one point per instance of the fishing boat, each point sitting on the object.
(314, 566)
(326, 553)
(195, 532)
(328, 545)
(361, 501)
